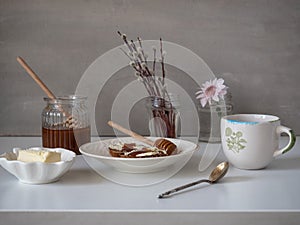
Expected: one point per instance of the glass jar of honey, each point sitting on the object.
(65, 123)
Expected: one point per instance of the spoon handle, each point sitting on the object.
(167, 193)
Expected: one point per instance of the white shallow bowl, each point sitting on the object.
(97, 152)
(37, 172)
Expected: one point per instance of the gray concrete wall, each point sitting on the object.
(254, 45)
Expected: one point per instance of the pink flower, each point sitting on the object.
(211, 90)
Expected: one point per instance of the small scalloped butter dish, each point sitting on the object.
(37, 172)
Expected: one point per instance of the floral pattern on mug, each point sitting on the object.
(234, 140)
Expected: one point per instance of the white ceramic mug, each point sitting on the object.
(250, 141)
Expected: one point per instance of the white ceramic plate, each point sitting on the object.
(37, 172)
(97, 152)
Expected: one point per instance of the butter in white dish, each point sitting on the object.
(42, 155)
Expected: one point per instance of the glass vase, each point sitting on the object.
(164, 116)
(210, 118)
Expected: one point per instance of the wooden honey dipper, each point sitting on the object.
(35, 78)
(160, 143)
(70, 122)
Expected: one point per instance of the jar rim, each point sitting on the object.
(66, 98)
(158, 102)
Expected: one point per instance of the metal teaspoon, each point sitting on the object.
(214, 177)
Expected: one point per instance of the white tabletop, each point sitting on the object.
(269, 196)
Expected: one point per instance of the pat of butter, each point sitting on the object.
(38, 156)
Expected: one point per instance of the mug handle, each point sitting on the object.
(282, 129)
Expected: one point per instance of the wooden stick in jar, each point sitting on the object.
(43, 86)
(35, 77)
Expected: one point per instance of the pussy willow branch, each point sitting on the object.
(123, 36)
(154, 59)
(139, 64)
(142, 50)
(162, 61)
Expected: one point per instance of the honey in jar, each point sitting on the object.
(65, 123)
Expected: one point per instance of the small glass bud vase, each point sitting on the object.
(164, 116)
(210, 118)
(65, 123)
